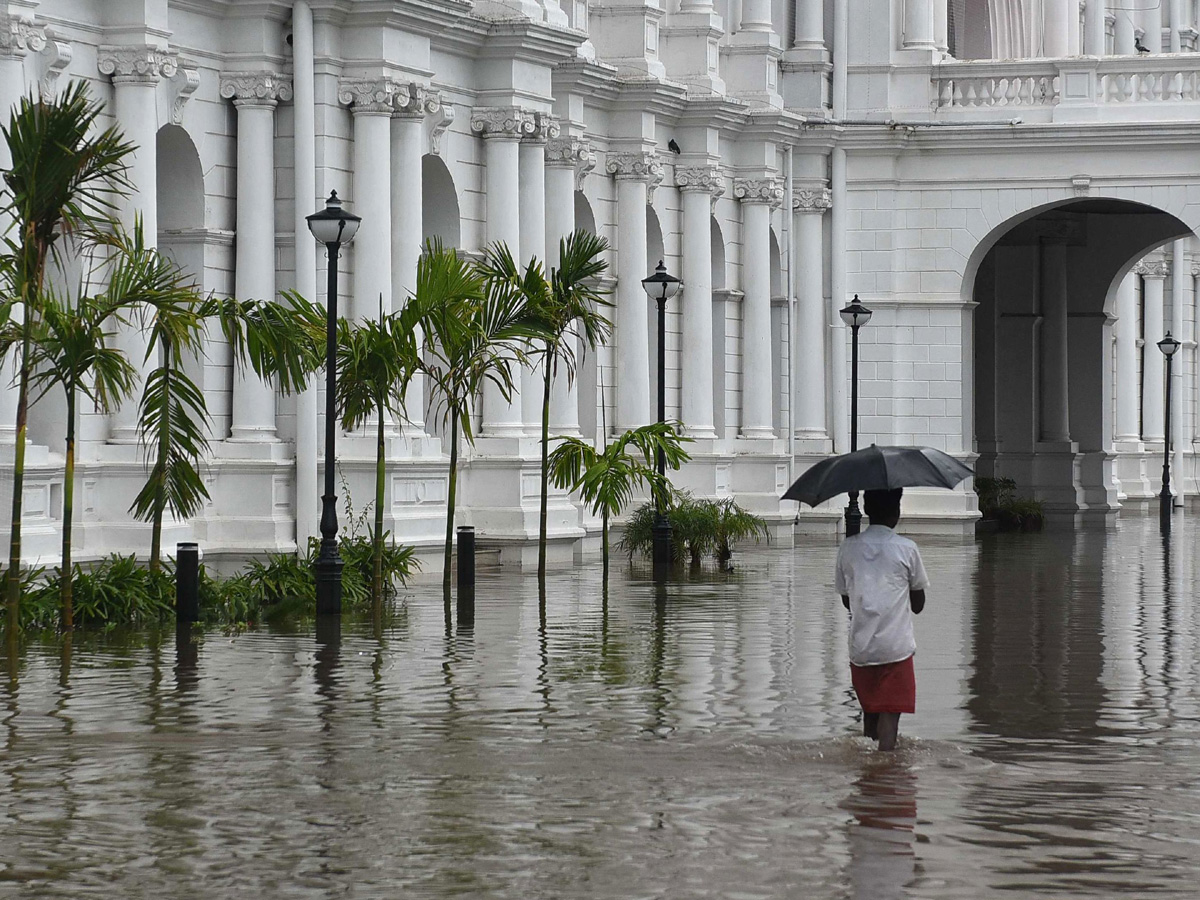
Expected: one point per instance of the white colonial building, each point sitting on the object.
(1012, 186)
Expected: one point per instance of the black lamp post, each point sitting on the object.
(660, 287)
(855, 316)
(333, 227)
(1168, 346)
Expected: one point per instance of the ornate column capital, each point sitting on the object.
(545, 127)
(638, 165)
(571, 153)
(415, 101)
(759, 190)
(136, 65)
(255, 88)
(1157, 269)
(19, 35)
(369, 96)
(503, 123)
(701, 179)
(812, 200)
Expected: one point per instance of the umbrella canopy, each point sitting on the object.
(877, 468)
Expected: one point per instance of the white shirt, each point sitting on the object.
(876, 569)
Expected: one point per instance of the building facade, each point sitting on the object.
(1010, 186)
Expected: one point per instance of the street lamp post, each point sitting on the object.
(333, 227)
(1168, 346)
(855, 316)
(660, 287)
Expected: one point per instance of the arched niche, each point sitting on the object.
(180, 197)
(717, 240)
(588, 371)
(585, 219)
(779, 337)
(439, 203)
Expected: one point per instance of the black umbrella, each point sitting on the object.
(877, 468)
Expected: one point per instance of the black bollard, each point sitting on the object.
(466, 576)
(187, 582)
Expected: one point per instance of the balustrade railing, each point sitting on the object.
(990, 84)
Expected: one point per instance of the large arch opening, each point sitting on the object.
(721, 306)
(588, 372)
(779, 340)
(1043, 368)
(440, 218)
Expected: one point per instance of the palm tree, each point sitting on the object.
(376, 361)
(474, 334)
(608, 477)
(67, 171)
(564, 305)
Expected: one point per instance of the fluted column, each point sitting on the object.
(700, 186)
(758, 197)
(1154, 276)
(412, 104)
(1056, 27)
(918, 25)
(809, 206)
(635, 172)
(254, 95)
(532, 166)
(17, 37)
(1127, 368)
(502, 129)
(567, 159)
(810, 25)
(135, 73)
(1056, 425)
(371, 102)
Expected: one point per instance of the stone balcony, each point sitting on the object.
(1111, 89)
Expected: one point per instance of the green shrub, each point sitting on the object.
(699, 528)
(998, 500)
(115, 591)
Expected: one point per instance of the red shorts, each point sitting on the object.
(889, 688)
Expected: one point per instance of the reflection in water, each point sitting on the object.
(884, 805)
(692, 739)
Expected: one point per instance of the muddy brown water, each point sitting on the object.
(697, 742)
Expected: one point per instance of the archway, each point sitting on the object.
(588, 373)
(440, 218)
(1045, 283)
(779, 339)
(180, 194)
(721, 306)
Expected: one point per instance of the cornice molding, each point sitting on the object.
(505, 123)
(137, 64)
(255, 88)
(759, 190)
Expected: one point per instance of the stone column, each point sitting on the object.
(758, 197)
(756, 16)
(567, 159)
(1123, 28)
(17, 37)
(1093, 27)
(412, 103)
(1152, 25)
(135, 75)
(941, 25)
(1056, 28)
(809, 206)
(700, 187)
(502, 129)
(532, 166)
(635, 172)
(810, 25)
(254, 95)
(1179, 283)
(1055, 425)
(1154, 276)
(918, 25)
(371, 102)
(1127, 363)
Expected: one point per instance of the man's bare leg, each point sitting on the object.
(871, 725)
(888, 730)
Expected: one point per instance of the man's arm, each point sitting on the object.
(916, 599)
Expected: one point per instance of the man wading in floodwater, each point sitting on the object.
(881, 578)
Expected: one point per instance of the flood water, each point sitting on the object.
(695, 742)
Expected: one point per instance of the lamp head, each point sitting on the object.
(1168, 345)
(661, 285)
(333, 225)
(855, 315)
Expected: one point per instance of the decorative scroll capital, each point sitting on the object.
(136, 65)
(759, 190)
(369, 96)
(1157, 269)
(255, 88)
(504, 123)
(636, 166)
(571, 153)
(701, 179)
(812, 200)
(415, 101)
(545, 128)
(18, 36)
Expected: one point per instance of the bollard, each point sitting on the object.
(466, 576)
(187, 582)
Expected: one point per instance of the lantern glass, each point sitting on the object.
(333, 224)
(1168, 345)
(661, 285)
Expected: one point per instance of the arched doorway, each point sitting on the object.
(1045, 283)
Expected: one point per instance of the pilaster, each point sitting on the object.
(700, 187)
(809, 204)
(758, 196)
